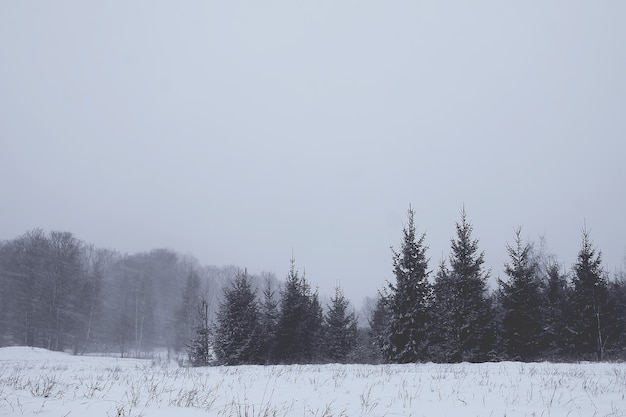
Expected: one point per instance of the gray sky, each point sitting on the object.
(238, 131)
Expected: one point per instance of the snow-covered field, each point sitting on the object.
(39, 382)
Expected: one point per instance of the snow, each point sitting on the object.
(43, 383)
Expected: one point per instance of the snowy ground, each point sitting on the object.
(39, 382)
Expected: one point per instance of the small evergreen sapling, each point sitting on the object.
(199, 349)
(340, 329)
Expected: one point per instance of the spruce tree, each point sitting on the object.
(199, 349)
(410, 299)
(468, 321)
(315, 325)
(237, 335)
(379, 327)
(340, 329)
(556, 296)
(300, 321)
(269, 315)
(617, 300)
(592, 317)
(444, 334)
(522, 304)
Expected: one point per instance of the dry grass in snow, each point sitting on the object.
(43, 383)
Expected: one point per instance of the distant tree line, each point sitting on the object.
(61, 293)
(288, 329)
(537, 311)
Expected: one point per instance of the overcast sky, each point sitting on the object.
(240, 131)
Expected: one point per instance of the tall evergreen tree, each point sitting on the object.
(379, 327)
(340, 329)
(617, 299)
(445, 331)
(522, 304)
(315, 325)
(556, 296)
(410, 299)
(237, 335)
(300, 321)
(468, 321)
(591, 318)
(269, 315)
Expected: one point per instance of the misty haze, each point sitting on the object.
(385, 196)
